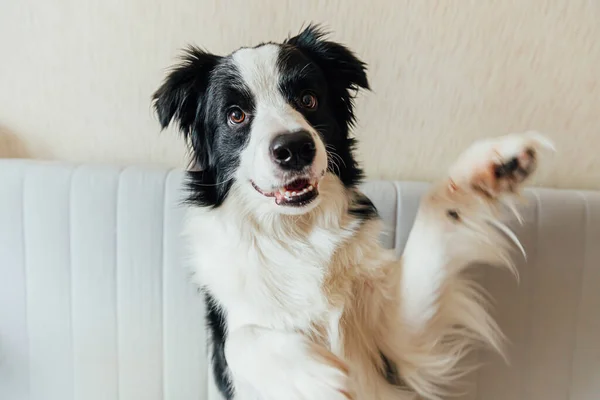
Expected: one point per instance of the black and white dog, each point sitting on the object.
(303, 302)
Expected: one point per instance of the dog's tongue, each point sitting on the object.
(297, 185)
(279, 198)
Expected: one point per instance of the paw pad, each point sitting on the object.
(500, 165)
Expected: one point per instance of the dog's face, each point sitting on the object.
(270, 121)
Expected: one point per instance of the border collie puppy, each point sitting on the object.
(303, 302)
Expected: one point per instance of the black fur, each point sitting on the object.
(391, 374)
(362, 207)
(182, 97)
(217, 325)
(345, 74)
(197, 95)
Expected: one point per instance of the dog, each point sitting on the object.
(302, 300)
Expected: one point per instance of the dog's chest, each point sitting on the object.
(262, 279)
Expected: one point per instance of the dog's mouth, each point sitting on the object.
(296, 193)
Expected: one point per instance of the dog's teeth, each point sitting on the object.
(304, 191)
(287, 194)
(293, 193)
(310, 188)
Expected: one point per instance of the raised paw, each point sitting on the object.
(500, 165)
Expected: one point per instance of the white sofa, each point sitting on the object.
(95, 303)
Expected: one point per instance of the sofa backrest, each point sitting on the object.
(95, 301)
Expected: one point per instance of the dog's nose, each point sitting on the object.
(293, 151)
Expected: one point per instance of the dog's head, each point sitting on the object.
(269, 122)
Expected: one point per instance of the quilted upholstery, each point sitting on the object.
(95, 303)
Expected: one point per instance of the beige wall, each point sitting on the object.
(76, 76)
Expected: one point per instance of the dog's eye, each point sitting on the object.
(308, 100)
(236, 116)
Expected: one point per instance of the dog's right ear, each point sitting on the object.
(181, 96)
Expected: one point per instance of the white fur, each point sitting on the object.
(261, 269)
(281, 365)
(309, 296)
(273, 116)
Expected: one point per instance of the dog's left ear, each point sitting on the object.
(334, 58)
(345, 73)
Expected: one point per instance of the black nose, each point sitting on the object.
(293, 151)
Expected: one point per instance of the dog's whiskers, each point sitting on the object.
(334, 164)
(318, 128)
(301, 73)
(215, 184)
(333, 155)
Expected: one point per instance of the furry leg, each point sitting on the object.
(443, 312)
(284, 365)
